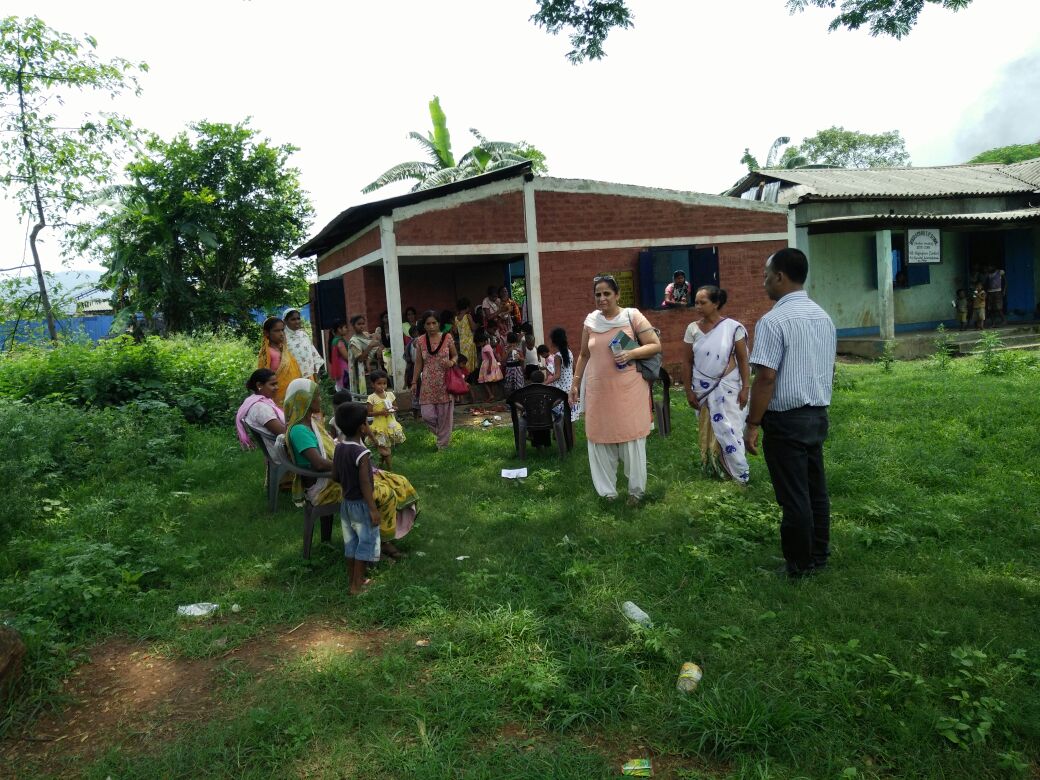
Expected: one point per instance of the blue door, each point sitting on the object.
(1018, 266)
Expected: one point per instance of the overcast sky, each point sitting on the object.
(673, 104)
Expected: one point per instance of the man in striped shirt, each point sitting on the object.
(793, 358)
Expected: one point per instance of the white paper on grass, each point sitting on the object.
(515, 473)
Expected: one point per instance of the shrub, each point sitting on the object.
(51, 445)
(203, 377)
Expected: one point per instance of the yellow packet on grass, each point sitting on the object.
(638, 767)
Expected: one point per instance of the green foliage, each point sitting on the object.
(944, 349)
(790, 158)
(199, 232)
(884, 17)
(843, 148)
(888, 355)
(589, 20)
(1008, 154)
(442, 168)
(204, 378)
(996, 359)
(52, 169)
(21, 309)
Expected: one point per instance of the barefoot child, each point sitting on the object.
(386, 430)
(490, 372)
(513, 365)
(359, 515)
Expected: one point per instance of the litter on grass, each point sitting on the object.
(461, 557)
(635, 614)
(201, 609)
(515, 473)
(638, 767)
(423, 643)
(689, 677)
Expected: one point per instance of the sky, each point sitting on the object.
(673, 104)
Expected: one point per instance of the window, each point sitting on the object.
(657, 267)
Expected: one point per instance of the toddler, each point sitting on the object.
(359, 515)
(513, 364)
(961, 305)
(386, 431)
(979, 307)
(490, 372)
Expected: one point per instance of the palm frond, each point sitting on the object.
(428, 145)
(401, 172)
(440, 138)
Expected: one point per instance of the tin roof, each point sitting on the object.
(861, 183)
(1013, 215)
(1027, 170)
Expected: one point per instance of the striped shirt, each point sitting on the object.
(797, 339)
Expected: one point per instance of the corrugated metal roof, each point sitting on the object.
(946, 181)
(1027, 170)
(1013, 215)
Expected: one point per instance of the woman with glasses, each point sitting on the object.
(616, 397)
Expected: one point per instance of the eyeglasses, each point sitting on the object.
(603, 278)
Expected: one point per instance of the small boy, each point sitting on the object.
(543, 356)
(962, 308)
(979, 307)
(359, 515)
(530, 352)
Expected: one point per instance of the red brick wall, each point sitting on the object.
(361, 246)
(567, 216)
(496, 220)
(567, 291)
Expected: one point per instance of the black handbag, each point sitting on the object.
(649, 367)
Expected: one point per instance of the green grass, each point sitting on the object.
(915, 655)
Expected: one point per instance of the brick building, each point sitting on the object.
(428, 249)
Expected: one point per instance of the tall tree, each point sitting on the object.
(200, 231)
(884, 17)
(442, 166)
(843, 148)
(1008, 154)
(591, 21)
(50, 165)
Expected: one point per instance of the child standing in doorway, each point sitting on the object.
(979, 307)
(961, 305)
(386, 430)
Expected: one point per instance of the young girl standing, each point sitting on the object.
(386, 430)
(490, 372)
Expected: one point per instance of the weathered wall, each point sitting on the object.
(841, 278)
(933, 302)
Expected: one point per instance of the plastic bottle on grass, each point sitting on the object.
(689, 677)
(635, 614)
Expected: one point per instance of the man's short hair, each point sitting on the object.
(792, 263)
(350, 417)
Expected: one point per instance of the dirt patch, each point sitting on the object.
(128, 694)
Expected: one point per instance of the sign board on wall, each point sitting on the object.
(923, 246)
(626, 287)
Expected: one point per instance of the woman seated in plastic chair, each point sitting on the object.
(312, 447)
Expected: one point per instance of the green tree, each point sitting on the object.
(591, 21)
(843, 148)
(1008, 154)
(21, 307)
(50, 168)
(199, 232)
(442, 166)
(884, 17)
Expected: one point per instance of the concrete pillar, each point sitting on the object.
(532, 271)
(392, 284)
(886, 299)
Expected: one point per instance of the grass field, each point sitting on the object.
(916, 654)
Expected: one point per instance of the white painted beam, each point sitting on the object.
(392, 285)
(532, 268)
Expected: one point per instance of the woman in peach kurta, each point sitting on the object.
(616, 398)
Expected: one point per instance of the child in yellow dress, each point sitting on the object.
(386, 430)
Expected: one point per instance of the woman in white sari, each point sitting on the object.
(300, 345)
(717, 385)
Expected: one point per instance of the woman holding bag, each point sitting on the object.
(616, 397)
(718, 381)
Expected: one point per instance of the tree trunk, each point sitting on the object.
(41, 220)
(45, 300)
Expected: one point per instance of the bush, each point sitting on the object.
(51, 445)
(202, 377)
